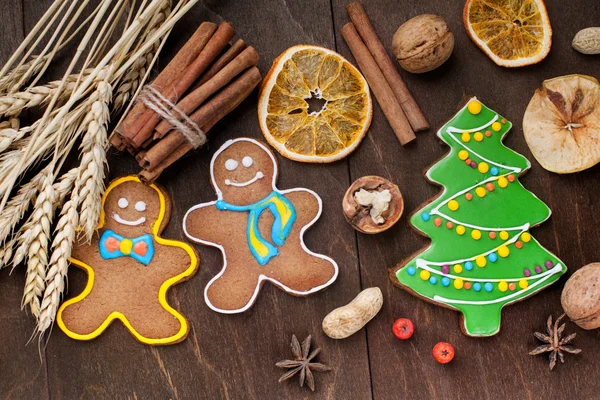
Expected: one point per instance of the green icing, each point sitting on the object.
(512, 208)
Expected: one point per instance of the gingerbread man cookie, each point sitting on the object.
(130, 269)
(258, 228)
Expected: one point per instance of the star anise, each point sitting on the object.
(556, 344)
(302, 363)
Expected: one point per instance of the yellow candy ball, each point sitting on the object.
(474, 107)
(480, 191)
(457, 268)
(503, 235)
(480, 261)
(496, 126)
(503, 286)
(460, 230)
(503, 251)
(483, 167)
(478, 136)
(523, 284)
(502, 182)
(424, 275)
(476, 234)
(463, 155)
(453, 205)
(458, 284)
(466, 136)
(526, 237)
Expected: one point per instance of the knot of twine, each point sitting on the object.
(158, 103)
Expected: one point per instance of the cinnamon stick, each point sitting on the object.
(213, 48)
(364, 27)
(206, 116)
(149, 177)
(188, 53)
(222, 61)
(244, 60)
(381, 88)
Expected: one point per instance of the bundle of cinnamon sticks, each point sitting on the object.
(395, 100)
(205, 81)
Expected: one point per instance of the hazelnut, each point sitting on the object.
(372, 204)
(423, 43)
(581, 297)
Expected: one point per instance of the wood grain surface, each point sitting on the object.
(234, 356)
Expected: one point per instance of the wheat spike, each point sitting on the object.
(10, 132)
(18, 205)
(14, 103)
(6, 252)
(90, 182)
(9, 82)
(37, 250)
(59, 262)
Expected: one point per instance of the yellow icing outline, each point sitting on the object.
(162, 293)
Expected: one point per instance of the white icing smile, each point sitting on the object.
(259, 175)
(122, 221)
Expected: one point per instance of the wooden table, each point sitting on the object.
(234, 356)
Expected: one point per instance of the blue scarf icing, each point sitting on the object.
(285, 215)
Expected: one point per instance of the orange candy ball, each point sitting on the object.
(467, 285)
(488, 133)
(512, 286)
(511, 178)
(468, 196)
(519, 244)
(489, 186)
(468, 161)
(449, 224)
(492, 235)
(437, 222)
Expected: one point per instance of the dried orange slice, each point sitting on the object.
(301, 131)
(513, 33)
(562, 123)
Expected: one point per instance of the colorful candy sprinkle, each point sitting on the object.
(469, 196)
(466, 137)
(502, 182)
(549, 264)
(425, 216)
(438, 222)
(445, 269)
(519, 244)
(477, 286)
(457, 268)
(503, 235)
(511, 178)
(446, 281)
(493, 257)
(523, 283)
(458, 284)
(480, 191)
(411, 270)
(483, 167)
(425, 275)
(453, 205)
(468, 161)
(474, 107)
(473, 164)
(460, 230)
(463, 155)
(503, 251)
(488, 133)
(467, 285)
(496, 126)
(538, 269)
(527, 272)
(489, 186)
(492, 235)
(502, 286)
(433, 280)
(478, 136)
(494, 171)
(526, 237)
(449, 224)
(512, 286)
(503, 121)
(488, 287)
(476, 234)
(480, 261)
(468, 265)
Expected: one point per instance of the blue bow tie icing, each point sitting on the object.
(285, 215)
(113, 245)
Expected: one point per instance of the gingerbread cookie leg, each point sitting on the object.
(81, 320)
(219, 296)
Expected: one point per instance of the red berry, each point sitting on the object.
(403, 328)
(443, 352)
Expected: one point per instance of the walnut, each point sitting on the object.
(372, 204)
(423, 43)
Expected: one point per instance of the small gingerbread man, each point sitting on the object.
(130, 268)
(258, 228)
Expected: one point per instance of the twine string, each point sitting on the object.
(158, 103)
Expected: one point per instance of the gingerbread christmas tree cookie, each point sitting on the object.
(482, 255)
(258, 228)
(130, 269)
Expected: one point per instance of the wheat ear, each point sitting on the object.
(90, 182)
(6, 252)
(37, 254)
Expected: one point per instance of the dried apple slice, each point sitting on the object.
(562, 123)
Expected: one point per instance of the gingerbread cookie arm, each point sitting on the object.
(197, 225)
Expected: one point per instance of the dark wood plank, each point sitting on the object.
(230, 356)
(483, 368)
(24, 369)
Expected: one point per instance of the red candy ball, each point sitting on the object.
(403, 328)
(443, 352)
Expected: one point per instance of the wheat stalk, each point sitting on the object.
(37, 253)
(90, 182)
(59, 262)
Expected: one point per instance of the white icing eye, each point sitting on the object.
(123, 203)
(230, 164)
(140, 206)
(247, 161)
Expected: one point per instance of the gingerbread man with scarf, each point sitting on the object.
(258, 228)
